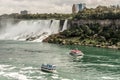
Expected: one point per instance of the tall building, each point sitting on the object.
(78, 7)
(24, 12)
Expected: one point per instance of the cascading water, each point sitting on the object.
(55, 26)
(65, 25)
(32, 30)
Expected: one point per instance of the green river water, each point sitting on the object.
(21, 60)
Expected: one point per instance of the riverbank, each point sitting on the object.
(58, 39)
(92, 34)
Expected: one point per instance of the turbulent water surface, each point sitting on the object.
(30, 30)
(21, 60)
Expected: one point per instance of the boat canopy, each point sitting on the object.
(48, 66)
(75, 51)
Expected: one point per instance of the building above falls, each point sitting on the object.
(24, 12)
(78, 7)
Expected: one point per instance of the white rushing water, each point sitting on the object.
(31, 30)
(65, 25)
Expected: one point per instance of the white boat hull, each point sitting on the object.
(47, 70)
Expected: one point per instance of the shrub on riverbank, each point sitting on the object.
(92, 35)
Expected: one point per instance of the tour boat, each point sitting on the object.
(48, 68)
(76, 53)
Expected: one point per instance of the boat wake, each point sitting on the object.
(26, 73)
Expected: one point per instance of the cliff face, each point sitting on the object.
(89, 32)
(82, 32)
(102, 23)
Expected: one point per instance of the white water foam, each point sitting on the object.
(27, 68)
(16, 75)
(65, 25)
(65, 79)
(2, 73)
(6, 71)
(3, 67)
(107, 65)
(107, 78)
(55, 76)
(31, 30)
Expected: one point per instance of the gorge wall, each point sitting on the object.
(102, 23)
(37, 30)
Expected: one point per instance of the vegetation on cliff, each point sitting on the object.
(38, 16)
(91, 32)
(100, 12)
(93, 35)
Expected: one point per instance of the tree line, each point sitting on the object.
(100, 12)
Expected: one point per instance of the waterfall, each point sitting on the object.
(53, 27)
(65, 25)
(31, 30)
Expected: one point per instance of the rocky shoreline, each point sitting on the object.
(58, 39)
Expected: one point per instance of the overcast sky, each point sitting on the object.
(48, 6)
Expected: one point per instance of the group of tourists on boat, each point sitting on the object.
(76, 53)
(48, 68)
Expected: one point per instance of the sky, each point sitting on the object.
(48, 6)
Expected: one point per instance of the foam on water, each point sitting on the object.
(2, 73)
(3, 67)
(16, 75)
(108, 78)
(31, 30)
(65, 79)
(27, 68)
(9, 71)
(107, 65)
